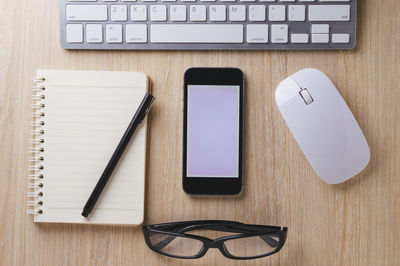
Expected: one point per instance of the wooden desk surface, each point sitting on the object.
(355, 223)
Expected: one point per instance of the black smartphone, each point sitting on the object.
(213, 131)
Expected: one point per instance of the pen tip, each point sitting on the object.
(85, 213)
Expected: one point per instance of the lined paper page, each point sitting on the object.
(86, 115)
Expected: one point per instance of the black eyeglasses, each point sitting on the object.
(248, 242)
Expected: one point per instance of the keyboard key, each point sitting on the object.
(277, 13)
(279, 33)
(196, 33)
(320, 28)
(94, 33)
(237, 13)
(297, 13)
(74, 33)
(320, 38)
(257, 12)
(329, 12)
(114, 33)
(177, 13)
(138, 12)
(340, 38)
(119, 13)
(136, 33)
(333, 0)
(197, 13)
(86, 12)
(217, 13)
(257, 33)
(158, 12)
(299, 38)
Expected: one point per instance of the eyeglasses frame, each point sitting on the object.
(217, 225)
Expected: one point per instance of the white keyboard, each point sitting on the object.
(208, 24)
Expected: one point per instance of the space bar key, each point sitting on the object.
(196, 33)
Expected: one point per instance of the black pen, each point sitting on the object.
(137, 119)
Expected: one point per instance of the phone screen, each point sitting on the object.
(213, 128)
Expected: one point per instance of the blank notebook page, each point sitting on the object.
(86, 115)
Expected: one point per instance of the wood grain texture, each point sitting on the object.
(355, 223)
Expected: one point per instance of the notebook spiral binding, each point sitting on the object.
(36, 149)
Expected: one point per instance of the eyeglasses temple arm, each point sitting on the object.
(268, 239)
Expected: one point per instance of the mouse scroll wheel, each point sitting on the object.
(308, 99)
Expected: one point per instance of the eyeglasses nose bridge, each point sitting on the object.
(213, 244)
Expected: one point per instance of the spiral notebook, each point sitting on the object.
(79, 117)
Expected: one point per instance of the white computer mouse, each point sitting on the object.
(323, 125)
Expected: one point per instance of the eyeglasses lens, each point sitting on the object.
(176, 245)
(252, 246)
